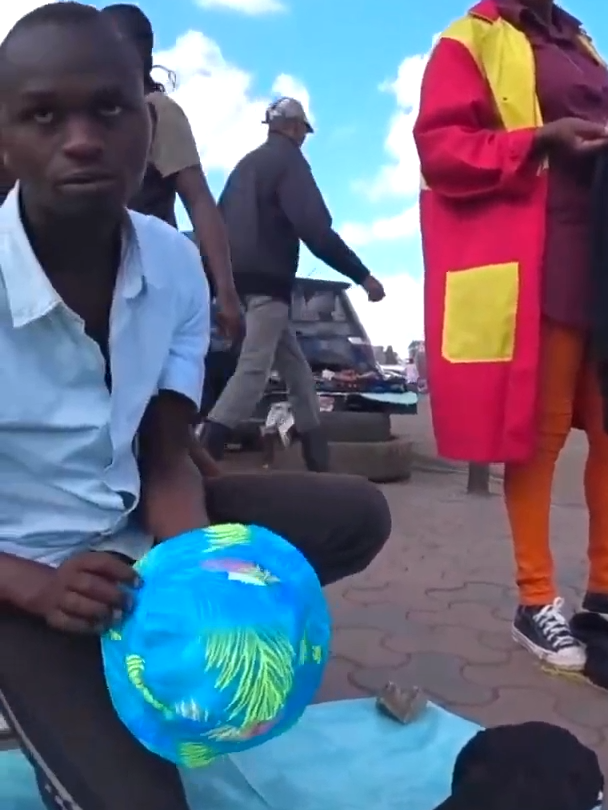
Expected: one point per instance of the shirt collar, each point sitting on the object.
(516, 12)
(29, 292)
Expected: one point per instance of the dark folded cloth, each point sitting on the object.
(592, 631)
(530, 766)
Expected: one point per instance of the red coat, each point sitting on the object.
(482, 210)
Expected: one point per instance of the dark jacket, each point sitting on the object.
(270, 203)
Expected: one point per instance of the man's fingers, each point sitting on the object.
(73, 624)
(68, 625)
(82, 607)
(110, 567)
(99, 589)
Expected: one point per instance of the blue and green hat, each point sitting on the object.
(225, 646)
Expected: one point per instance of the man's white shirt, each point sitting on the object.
(69, 478)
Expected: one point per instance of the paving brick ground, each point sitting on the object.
(434, 609)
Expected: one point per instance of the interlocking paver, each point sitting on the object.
(448, 639)
(435, 607)
(583, 712)
(440, 673)
(518, 671)
(463, 614)
(475, 592)
(516, 704)
(389, 617)
(338, 683)
(366, 644)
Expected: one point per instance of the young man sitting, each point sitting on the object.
(104, 326)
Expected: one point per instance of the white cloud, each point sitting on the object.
(396, 320)
(399, 318)
(10, 13)
(385, 229)
(399, 177)
(251, 7)
(218, 97)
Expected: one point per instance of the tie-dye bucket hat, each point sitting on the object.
(225, 646)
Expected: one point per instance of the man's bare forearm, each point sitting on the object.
(210, 232)
(173, 500)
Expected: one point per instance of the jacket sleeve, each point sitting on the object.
(464, 153)
(302, 203)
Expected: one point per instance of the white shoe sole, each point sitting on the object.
(548, 657)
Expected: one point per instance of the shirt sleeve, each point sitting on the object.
(302, 203)
(173, 148)
(465, 153)
(184, 370)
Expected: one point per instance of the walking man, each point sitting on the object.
(270, 204)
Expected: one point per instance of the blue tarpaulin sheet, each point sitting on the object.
(343, 755)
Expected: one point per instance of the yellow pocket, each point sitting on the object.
(480, 312)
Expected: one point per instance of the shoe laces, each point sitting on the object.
(554, 625)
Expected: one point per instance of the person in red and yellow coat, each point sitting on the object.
(514, 108)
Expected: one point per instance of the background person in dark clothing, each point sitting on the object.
(174, 168)
(270, 204)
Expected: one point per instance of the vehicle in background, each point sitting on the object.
(348, 378)
(397, 370)
(405, 371)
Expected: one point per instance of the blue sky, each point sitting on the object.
(355, 63)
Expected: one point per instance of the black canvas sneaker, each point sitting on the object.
(545, 632)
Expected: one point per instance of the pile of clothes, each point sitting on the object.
(530, 766)
(368, 382)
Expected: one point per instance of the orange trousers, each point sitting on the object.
(568, 389)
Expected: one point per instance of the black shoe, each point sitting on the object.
(214, 437)
(545, 632)
(315, 450)
(596, 603)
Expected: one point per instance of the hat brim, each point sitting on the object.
(306, 122)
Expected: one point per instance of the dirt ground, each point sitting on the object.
(435, 607)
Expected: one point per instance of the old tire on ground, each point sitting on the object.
(381, 462)
(356, 426)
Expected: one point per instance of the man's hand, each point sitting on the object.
(86, 594)
(573, 135)
(229, 315)
(374, 289)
